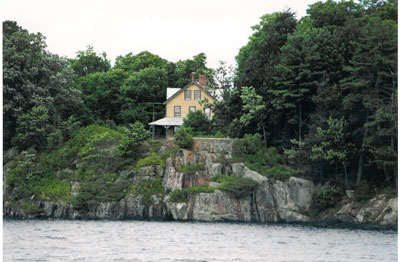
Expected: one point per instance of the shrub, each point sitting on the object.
(134, 134)
(191, 168)
(153, 160)
(183, 139)
(265, 161)
(248, 145)
(179, 196)
(96, 187)
(170, 153)
(148, 188)
(326, 196)
(238, 186)
(198, 122)
(51, 188)
(31, 209)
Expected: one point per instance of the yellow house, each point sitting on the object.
(180, 101)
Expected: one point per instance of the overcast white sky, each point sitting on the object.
(172, 29)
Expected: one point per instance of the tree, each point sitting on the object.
(32, 128)
(102, 94)
(32, 77)
(134, 63)
(256, 64)
(88, 62)
(332, 146)
(256, 60)
(184, 68)
(228, 104)
(141, 89)
(372, 85)
(254, 109)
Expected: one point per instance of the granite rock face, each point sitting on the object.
(272, 201)
(380, 210)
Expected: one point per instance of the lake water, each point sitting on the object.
(39, 240)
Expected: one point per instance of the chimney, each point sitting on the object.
(193, 76)
(202, 80)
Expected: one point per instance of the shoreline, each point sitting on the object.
(315, 224)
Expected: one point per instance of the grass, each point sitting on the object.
(179, 196)
(191, 168)
(239, 187)
(153, 160)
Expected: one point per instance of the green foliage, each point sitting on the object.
(191, 168)
(179, 196)
(326, 196)
(332, 146)
(198, 122)
(254, 109)
(51, 188)
(98, 187)
(248, 145)
(265, 161)
(153, 160)
(88, 62)
(148, 188)
(183, 69)
(134, 135)
(31, 128)
(239, 187)
(27, 177)
(183, 139)
(37, 88)
(31, 209)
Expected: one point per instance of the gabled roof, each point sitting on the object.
(186, 87)
(171, 91)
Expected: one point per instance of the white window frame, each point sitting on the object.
(175, 112)
(190, 94)
(199, 92)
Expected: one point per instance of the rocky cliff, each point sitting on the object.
(271, 201)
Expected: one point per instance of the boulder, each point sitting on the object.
(219, 206)
(216, 169)
(176, 210)
(172, 179)
(379, 210)
(301, 193)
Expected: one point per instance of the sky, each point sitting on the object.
(173, 29)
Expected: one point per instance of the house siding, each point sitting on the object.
(179, 100)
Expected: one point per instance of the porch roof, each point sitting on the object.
(168, 121)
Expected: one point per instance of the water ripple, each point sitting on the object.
(194, 242)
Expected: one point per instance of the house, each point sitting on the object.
(180, 101)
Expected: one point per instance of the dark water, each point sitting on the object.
(172, 241)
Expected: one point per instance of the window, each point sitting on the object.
(188, 95)
(177, 111)
(207, 111)
(192, 108)
(197, 95)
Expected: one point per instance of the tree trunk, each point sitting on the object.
(346, 177)
(394, 168)
(361, 158)
(300, 122)
(265, 138)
